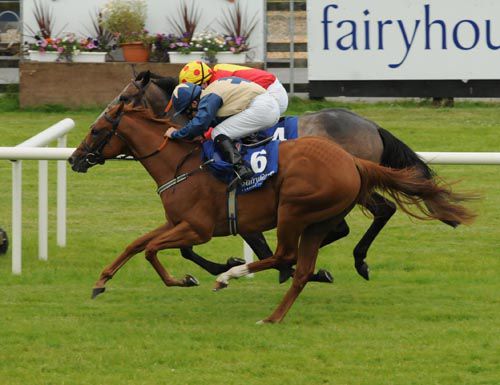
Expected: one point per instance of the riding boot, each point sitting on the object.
(232, 155)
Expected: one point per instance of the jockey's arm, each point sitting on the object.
(206, 114)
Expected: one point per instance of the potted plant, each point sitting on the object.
(126, 19)
(203, 46)
(237, 28)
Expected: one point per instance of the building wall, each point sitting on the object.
(74, 16)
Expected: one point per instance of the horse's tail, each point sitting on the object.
(407, 187)
(398, 155)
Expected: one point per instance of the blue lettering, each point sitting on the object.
(325, 22)
(488, 36)
(476, 35)
(351, 34)
(381, 24)
(428, 25)
(408, 43)
(367, 30)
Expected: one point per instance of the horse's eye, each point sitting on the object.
(94, 132)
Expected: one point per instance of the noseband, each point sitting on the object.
(94, 155)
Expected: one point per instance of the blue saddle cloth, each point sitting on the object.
(262, 159)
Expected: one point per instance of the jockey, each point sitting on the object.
(200, 73)
(235, 107)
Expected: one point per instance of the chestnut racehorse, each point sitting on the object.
(357, 135)
(303, 205)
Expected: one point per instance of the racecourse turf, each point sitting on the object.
(429, 315)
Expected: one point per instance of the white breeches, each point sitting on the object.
(279, 93)
(263, 112)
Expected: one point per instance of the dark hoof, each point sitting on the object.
(285, 274)
(96, 291)
(453, 224)
(323, 276)
(190, 281)
(4, 242)
(232, 262)
(363, 270)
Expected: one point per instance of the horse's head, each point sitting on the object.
(150, 91)
(102, 142)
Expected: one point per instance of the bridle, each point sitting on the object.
(94, 154)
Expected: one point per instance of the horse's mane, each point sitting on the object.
(166, 83)
(146, 113)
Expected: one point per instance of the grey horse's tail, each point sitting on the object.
(398, 155)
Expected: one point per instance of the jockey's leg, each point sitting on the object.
(233, 156)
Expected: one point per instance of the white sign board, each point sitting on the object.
(403, 39)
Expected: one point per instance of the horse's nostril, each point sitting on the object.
(71, 160)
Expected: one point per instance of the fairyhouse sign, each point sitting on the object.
(403, 40)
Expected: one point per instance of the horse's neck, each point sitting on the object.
(175, 158)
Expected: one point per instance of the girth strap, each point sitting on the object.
(181, 178)
(232, 212)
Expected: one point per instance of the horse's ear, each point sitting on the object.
(146, 78)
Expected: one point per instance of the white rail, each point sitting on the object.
(22, 151)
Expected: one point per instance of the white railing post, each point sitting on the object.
(17, 178)
(61, 196)
(35, 148)
(43, 210)
(248, 255)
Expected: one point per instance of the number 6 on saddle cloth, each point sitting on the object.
(263, 159)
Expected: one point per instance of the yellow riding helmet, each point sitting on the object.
(195, 72)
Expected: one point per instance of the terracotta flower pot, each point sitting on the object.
(135, 52)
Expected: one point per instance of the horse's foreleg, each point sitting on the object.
(180, 236)
(135, 247)
(310, 242)
(382, 210)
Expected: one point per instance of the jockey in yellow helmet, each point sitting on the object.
(199, 73)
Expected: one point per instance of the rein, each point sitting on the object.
(94, 156)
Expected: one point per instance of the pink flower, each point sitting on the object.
(60, 49)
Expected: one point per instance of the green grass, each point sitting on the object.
(429, 315)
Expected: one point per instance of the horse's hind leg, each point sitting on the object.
(135, 247)
(382, 210)
(310, 242)
(288, 239)
(209, 266)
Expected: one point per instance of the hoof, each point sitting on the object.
(190, 281)
(363, 270)
(323, 276)
(453, 224)
(285, 274)
(4, 242)
(265, 321)
(96, 291)
(219, 286)
(232, 262)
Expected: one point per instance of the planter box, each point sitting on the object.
(43, 56)
(82, 57)
(229, 57)
(181, 58)
(90, 57)
(222, 57)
